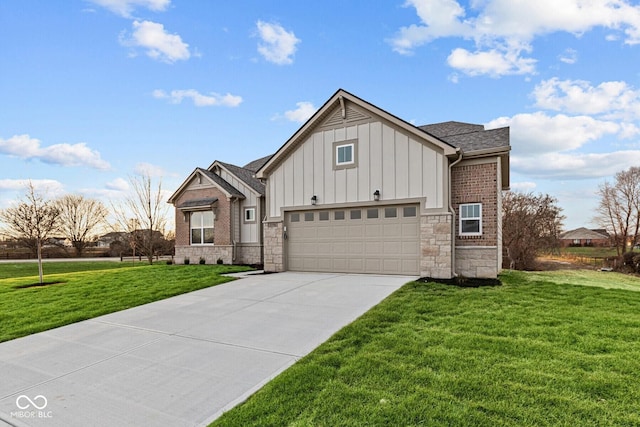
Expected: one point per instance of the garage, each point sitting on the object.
(372, 239)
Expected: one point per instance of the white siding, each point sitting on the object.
(400, 166)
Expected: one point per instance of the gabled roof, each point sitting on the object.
(198, 203)
(583, 233)
(244, 174)
(257, 164)
(470, 137)
(341, 98)
(227, 188)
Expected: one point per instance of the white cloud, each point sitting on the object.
(503, 29)
(199, 100)
(539, 133)
(27, 148)
(42, 185)
(301, 114)
(575, 165)
(118, 184)
(613, 99)
(125, 7)
(159, 44)
(494, 62)
(523, 186)
(569, 56)
(277, 44)
(147, 169)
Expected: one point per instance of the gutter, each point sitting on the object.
(453, 215)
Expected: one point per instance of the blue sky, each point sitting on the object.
(95, 91)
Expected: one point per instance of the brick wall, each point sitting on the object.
(477, 183)
(222, 209)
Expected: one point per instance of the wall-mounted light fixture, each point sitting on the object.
(376, 195)
(314, 199)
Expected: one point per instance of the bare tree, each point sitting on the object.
(31, 222)
(619, 208)
(79, 219)
(143, 215)
(531, 224)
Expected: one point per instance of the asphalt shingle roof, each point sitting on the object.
(468, 136)
(195, 203)
(248, 175)
(222, 183)
(582, 233)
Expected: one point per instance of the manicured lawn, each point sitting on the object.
(533, 352)
(26, 269)
(91, 292)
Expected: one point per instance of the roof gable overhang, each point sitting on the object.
(222, 165)
(205, 175)
(340, 99)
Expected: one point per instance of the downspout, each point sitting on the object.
(233, 230)
(453, 215)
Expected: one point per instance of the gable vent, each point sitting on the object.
(352, 115)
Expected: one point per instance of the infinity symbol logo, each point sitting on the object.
(22, 405)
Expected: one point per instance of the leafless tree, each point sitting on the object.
(531, 224)
(32, 221)
(143, 214)
(619, 208)
(80, 218)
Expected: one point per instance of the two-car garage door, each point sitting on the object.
(375, 239)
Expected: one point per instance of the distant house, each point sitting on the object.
(584, 237)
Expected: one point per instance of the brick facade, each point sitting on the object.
(222, 248)
(477, 182)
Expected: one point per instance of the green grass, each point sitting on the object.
(533, 352)
(595, 252)
(81, 295)
(24, 269)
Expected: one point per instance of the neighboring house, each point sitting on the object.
(585, 237)
(219, 214)
(358, 190)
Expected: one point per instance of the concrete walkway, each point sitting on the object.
(182, 361)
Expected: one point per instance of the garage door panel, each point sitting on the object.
(355, 243)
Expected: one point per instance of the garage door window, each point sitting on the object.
(338, 215)
(390, 212)
(409, 212)
(372, 213)
(295, 217)
(308, 216)
(357, 214)
(323, 216)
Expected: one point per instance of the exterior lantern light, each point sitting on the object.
(314, 199)
(376, 195)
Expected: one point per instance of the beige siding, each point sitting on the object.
(387, 159)
(243, 232)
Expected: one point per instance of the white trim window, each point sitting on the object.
(202, 228)
(345, 154)
(471, 219)
(249, 214)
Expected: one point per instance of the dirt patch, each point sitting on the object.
(554, 264)
(37, 285)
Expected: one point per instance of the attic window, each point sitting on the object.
(345, 154)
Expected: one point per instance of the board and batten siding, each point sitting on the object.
(388, 160)
(249, 232)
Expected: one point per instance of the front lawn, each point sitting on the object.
(83, 292)
(537, 351)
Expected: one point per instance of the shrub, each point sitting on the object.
(202, 261)
(186, 260)
(219, 261)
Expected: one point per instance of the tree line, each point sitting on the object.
(35, 219)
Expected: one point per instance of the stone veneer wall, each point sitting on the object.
(249, 254)
(476, 262)
(211, 254)
(273, 247)
(435, 246)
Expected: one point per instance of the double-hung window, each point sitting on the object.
(471, 219)
(202, 228)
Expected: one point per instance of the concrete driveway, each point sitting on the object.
(182, 361)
